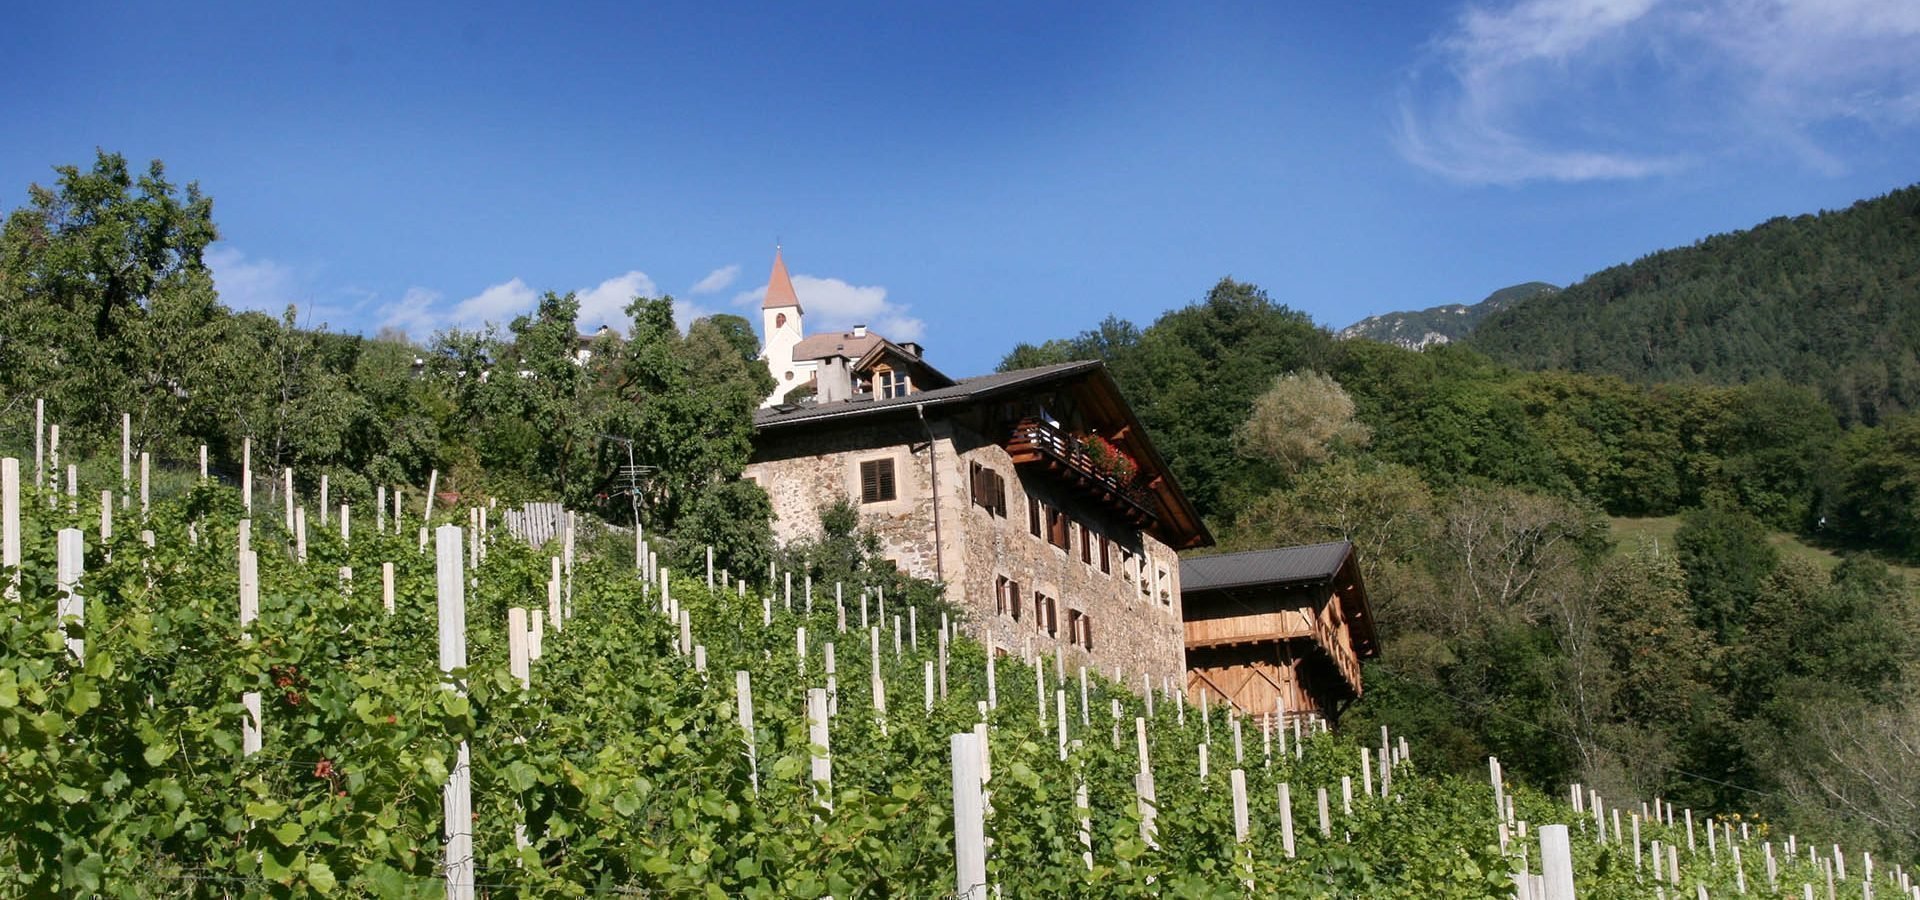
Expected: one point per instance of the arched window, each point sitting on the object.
(779, 320)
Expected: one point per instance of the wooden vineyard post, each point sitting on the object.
(457, 798)
(969, 819)
(1556, 862)
(250, 725)
(822, 750)
(70, 563)
(10, 522)
(743, 698)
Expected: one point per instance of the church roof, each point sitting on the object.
(780, 287)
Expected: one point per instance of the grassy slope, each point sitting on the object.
(1629, 533)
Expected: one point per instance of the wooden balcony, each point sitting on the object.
(1037, 444)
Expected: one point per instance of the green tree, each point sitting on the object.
(1727, 560)
(1302, 420)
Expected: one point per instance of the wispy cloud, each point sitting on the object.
(832, 304)
(1579, 90)
(716, 281)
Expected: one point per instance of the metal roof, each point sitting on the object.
(1285, 565)
(967, 389)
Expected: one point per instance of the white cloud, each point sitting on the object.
(1577, 90)
(244, 283)
(832, 304)
(716, 281)
(415, 314)
(606, 303)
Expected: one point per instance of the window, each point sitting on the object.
(1000, 596)
(1080, 629)
(876, 481)
(1146, 577)
(1033, 516)
(1086, 545)
(1046, 614)
(779, 320)
(1013, 599)
(1106, 556)
(890, 383)
(1165, 586)
(989, 490)
(1057, 525)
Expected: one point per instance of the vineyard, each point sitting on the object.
(198, 699)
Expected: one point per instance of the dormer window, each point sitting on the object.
(890, 383)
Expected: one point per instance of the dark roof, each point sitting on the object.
(965, 390)
(1285, 565)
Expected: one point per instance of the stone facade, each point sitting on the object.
(933, 529)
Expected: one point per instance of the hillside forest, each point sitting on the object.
(1711, 669)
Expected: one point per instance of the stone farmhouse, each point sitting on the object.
(1034, 495)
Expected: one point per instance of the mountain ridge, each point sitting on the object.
(1443, 324)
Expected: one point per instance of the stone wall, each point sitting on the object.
(1138, 632)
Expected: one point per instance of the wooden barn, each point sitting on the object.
(1278, 631)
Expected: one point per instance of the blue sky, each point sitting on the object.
(963, 175)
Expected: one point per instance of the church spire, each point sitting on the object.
(780, 287)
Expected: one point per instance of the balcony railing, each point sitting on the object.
(1035, 441)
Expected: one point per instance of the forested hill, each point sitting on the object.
(1424, 328)
(1829, 300)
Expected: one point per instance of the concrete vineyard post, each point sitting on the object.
(457, 797)
(517, 647)
(386, 587)
(1326, 820)
(1286, 819)
(743, 699)
(146, 496)
(10, 522)
(70, 564)
(822, 752)
(325, 499)
(969, 819)
(1238, 779)
(426, 503)
(993, 680)
(39, 442)
(1556, 862)
(250, 726)
(380, 509)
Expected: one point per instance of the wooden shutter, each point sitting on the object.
(876, 480)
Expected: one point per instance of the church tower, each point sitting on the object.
(780, 327)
